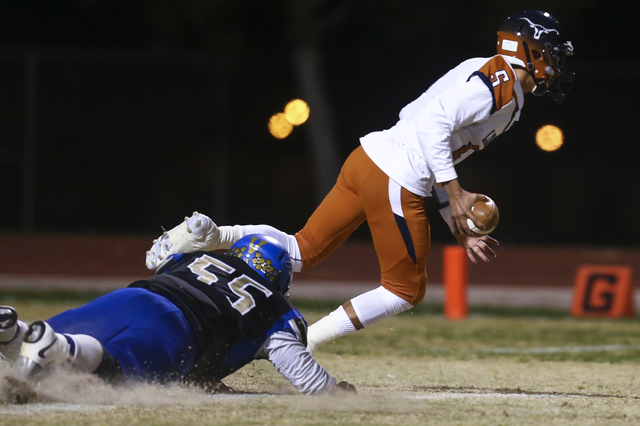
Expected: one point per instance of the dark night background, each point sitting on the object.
(148, 110)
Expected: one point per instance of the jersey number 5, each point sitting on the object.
(498, 77)
(245, 301)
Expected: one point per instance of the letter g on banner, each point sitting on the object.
(603, 291)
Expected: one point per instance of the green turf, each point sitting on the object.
(437, 309)
(488, 332)
(62, 295)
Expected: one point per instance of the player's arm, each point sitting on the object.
(291, 359)
(479, 246)
(460, 202)
(452, 201)
(455, 108)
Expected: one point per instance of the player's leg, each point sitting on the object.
(400, 230)
(42, 347)
(159, 344)
(336, 218)
(339, 215)
(356, 314)
(199, 232)
(11, 332)
(130, 332)
(196, 232)
(402, 244)
(402, 238)
(230, 234)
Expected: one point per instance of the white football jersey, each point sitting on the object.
(460, 113)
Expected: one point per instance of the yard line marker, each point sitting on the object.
(564, 349)
(464, 395)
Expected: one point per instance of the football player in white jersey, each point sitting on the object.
(385, 180)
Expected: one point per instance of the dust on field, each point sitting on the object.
(66, 387)
(413, 369)
(391, 390)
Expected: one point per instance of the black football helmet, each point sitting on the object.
(540, 41)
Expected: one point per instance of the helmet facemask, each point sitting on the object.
(559, 80)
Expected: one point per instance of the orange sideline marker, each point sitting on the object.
(455, 277)
(603, 291)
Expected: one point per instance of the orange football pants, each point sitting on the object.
(401, 243)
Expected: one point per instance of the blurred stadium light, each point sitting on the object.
(279, 126)
(296, 112)
(549, 138)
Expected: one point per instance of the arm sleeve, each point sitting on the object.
(455, 108)
(445, 212)
(292, 360)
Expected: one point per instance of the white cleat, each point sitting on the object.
(197, 232)
(10, 333)
(42, 347)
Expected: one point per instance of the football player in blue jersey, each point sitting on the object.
(201, 317)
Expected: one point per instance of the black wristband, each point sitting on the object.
(441, 197)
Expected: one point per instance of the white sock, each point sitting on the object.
(329, 328)
(320, 332)
(230, 234)
(378, 304)
(87, 353)
(370, 307)
(342, 321)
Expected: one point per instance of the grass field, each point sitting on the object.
(498, 367)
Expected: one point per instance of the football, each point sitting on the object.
(487, 213)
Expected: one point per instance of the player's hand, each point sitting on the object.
(219, 387)
(347, 387)
(461, 202)
(477, 246)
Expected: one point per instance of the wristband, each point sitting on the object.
(441, 196)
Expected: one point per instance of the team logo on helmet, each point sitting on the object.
(237, 251)
(266, 266)
(258, 261)
(541, 44)
(538, 29)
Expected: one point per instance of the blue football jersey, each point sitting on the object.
(231, 308)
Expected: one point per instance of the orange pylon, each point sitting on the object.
(455, 277)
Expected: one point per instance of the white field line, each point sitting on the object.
(464, 395)
(565, 349)
(40, 407)
(26, 409)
